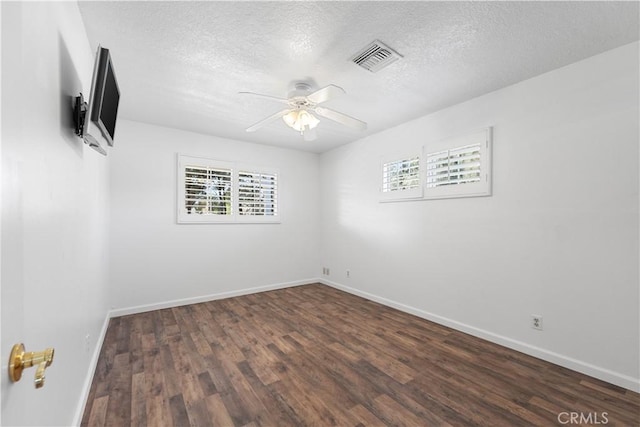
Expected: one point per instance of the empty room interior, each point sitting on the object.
(320, 213)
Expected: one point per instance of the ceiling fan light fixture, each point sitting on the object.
(300, 120)
(303, 109)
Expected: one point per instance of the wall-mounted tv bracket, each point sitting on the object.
(79, 113)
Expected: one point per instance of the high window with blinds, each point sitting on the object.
(212, 191)
(448, 168)
(459, 167)
(454, 167)
(400, 175)
(400, 178)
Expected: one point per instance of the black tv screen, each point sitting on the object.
(105, 97)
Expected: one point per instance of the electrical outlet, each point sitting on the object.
(325, 271)
(348, 273)
(536, 322)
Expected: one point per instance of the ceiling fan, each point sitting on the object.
(302, 103)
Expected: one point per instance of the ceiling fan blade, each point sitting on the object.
(341, 118)
(273, 98)
(325, 94)
(268, 120)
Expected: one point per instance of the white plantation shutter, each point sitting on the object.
(401, 179)
(212, 191)
(401, 175)
(207, 191)
(452, 167)
(459, 166)
(257, 194)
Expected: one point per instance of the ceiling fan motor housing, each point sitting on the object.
(301, 90)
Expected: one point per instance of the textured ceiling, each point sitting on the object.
(182, 64)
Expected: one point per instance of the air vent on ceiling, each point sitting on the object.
(375, 56)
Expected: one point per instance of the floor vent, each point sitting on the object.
(375, 56)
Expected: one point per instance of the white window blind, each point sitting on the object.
(213, 191)
(401, 175)
(257, 194)
(207, 191)
(459, 166)
(454, 167)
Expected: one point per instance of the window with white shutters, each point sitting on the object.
(453, 167)
(207, 191)
(400, 175)
(459, 167)
(257, 194)
(212, 191)
(400, 178)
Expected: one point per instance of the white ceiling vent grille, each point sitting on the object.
(375, 56)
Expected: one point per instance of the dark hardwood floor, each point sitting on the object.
(315, 356)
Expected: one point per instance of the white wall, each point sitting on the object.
(155, 260)
(54, 211)
(558, 238)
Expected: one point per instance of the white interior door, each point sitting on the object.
(54, 213)
(14, 401)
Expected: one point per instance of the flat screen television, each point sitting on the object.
(104, 98)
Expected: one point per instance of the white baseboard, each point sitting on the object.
(93, 364)
(195, 300)
(603, 374)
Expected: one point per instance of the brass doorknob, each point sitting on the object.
(19, 360)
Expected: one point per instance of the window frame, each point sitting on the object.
(235, 167)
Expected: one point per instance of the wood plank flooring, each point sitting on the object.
(315, 356)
